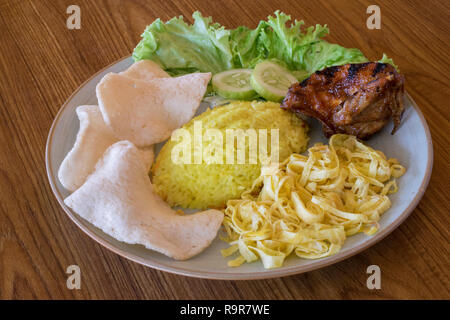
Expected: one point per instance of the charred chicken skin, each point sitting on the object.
(357, 99)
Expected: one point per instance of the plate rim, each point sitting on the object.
(268, 273)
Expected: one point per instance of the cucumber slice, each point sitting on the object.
(234, 84)
(271, 81)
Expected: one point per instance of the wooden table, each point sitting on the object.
(42, 62)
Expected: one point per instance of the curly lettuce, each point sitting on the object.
(386, 59)
(208, 47)
(182, 48)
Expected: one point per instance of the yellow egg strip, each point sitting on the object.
(309, 205)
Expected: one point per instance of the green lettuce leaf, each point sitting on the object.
(289, 44)
(323, 54)
(385, 59)
(208, 47)
(246, 46)
(181, 48)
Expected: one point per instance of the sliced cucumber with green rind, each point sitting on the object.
(271, 81)
(234, 84)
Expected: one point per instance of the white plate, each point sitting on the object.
(411, 145)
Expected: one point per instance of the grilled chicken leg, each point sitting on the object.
(357, 99)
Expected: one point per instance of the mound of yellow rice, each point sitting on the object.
(206, 185)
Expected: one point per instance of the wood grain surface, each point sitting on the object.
(42, 63)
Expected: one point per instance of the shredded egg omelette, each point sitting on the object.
(310, 204)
